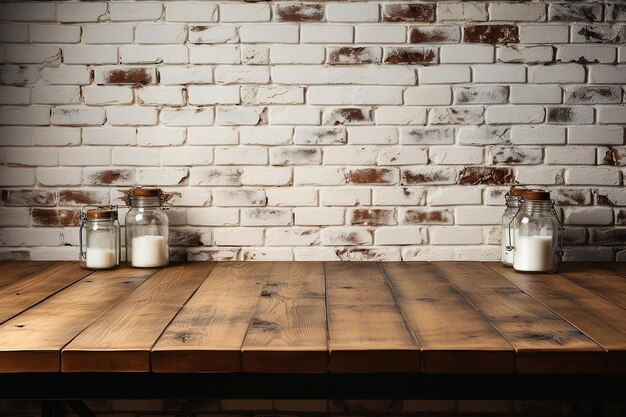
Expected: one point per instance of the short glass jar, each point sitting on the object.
(147, 229)
(512, 201)
(99, 238)
(537, 239)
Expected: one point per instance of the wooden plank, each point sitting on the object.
(24, 293)
(544, 342)
(367, 332)
(32, 341)
(288, 331)
(453, 336)
(11, 272)
(121, 339)
(594, 277)
(598, 318)
(208, 332)
(619, 267)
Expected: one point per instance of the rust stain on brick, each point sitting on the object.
(352, 55)
(55, 217)
(611, 157)
(491, 34)
(372, 217)
(370, 176)
(183, 237)
(412, 177)
(416, 12)
(486, 175)
(409, 55)
(302, 12)
(200, 28)
(29, 198)
(349, 115)
(71, 197)
(110, 176)
(430, 34)
(426, 216)
(129, 76)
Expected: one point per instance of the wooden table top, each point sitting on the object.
(313, 317)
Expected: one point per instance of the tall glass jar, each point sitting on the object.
(536, 242)
(99, 238)
(512, 201)
(146, 229)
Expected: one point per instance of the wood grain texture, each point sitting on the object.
(367, 332)
(544, 342)
(121, 339)
(20, 295)
(208, 332)
(32, 341)
(288, 330)
(598, 318)
(609, 284)
(453, 336)
(619, 267)
(11, 272)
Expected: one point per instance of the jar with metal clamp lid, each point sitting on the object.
(147, 229)
(99, 238)
(512, 201)
(535, 232)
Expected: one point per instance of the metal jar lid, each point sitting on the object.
(102, 213)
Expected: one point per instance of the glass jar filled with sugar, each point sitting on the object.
(512, 200)
(99, 238)
(536, 233)
(147, 229)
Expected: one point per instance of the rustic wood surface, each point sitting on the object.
(355, 317)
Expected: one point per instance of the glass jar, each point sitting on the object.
(99, 238)
(537, 237)
(146, 229)
(512, 201)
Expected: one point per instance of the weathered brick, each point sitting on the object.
(408, 12)
(299, 12)
(428, 175)
(371, 217)
(425, 216)
(348, 116)
(354, 55)
(372, 176)
(486, 175)
(410, 55)
(575, 12)
(490, 34)
(55, 217)
(434, 34)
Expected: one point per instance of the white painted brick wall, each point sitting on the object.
(357, 131)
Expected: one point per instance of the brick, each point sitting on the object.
(219, 176)
(499, 73)
(517, 12)
(570, 155)
(307, 74)
(400, 235)
(152, 54)
(410, 55)
(17, 176)
(447, 196)
(548, 34)
(136, 156)
(426, 136)
(397, 196)
(348, 116)
(467, 54)
(242, 75)
(160, 136)
(609, 196)
(56, 136)
(455, 155)
(269, 135)
(187, 117)
(295, 156)
(26, 197)
(485, 135)
(319, 136)
(354, 55)
(187, 156)
(272, 95)
(238, 197)
(396, 115)
(593, 95)
(106, 176)
(319, 216)
(109, 136)
(535, 135)
(365, 135)
(298, 12)
(95, 95)
(615, 12)
(539, 175)
(425, 216)
(233, 12)
(408, 12)
(266, 217)
(53, 34)
(352, 12)
(55, 217)
(372, 176)
(575, 12)
(115, 33)
(327, 34)
(237, 236)
(174, 75)
(30, 156)
(456, 115)
(214, 54)
(125, 75)
(607, 236)
(211, 136)
(428, 95)
(66, 75)
(31, 115)
(428, 175)
(80, 12)
(85, 156)
(493, 34)
(15, 95)
(346, 236)
(570, 115)
(77, 116)
(531, 94)
(248, 155)
(19, 74)
(275, 33)
(454, 235)
(471, 12)
(486, 175)
(562, 73)
(338, 95)
(172, 96)
(348, 197)
(611, 114)
(507, 155)
(291, 196)
(59, 176)
(478, 215)
(213, 216)
(89, 55)
(131, 11)
(350, 155)
(601, 74)
(444, 74)
(481, 94)
(434, 34)
(573, 196)
(266, 176)
(190, 12)
(588, 216)
(31, 11)
(515, 114)
(379, 34)
(402, 156)
(213, 34)
(596, 135)
(287, 54)
(32, 54)
(584, 54)
(267, 254)
(158, 33)
(526, 54)
(131, 115)
(234, 116)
